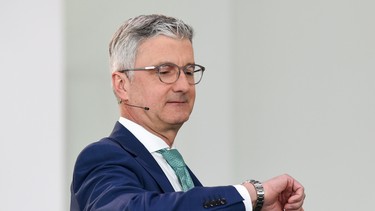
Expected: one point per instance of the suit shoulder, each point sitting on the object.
(101, 145)
(103, 150)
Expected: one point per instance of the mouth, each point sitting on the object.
(176, 102)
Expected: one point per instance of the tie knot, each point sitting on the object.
(173, 157)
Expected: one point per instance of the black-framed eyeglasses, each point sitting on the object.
(169, 73)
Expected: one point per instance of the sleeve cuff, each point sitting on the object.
(246, 196)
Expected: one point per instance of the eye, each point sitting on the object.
(166, 69)
(190, 70)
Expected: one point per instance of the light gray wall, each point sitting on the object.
(306, 97)
(289, 88)
(32, 154)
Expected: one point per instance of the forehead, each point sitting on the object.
(165, 49)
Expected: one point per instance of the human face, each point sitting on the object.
(170, 104)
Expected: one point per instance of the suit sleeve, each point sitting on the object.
(108, 178)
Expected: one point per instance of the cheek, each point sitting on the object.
(155, 96)
(146, 91)
(192, 95)
(192, 99)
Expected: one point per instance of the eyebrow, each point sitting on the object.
(168, 62)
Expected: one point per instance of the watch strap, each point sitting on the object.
(260, 194)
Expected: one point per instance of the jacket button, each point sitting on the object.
(212, 203)
(207, 204)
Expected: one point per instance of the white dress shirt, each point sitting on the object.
(154, 143)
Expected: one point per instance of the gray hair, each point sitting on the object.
(125, 42)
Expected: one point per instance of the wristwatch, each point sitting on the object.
(260, 194)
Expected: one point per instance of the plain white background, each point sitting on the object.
(289, 88)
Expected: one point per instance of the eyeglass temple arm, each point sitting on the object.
(139, 69)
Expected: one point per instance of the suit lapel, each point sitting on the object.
(131, 144)
(196, 182)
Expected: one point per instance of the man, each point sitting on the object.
(153, 77)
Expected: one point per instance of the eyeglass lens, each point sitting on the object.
(169, 73)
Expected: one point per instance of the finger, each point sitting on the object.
(297, 187)
(298, 194)
(296, 198)
(300, 209)
(294, 204)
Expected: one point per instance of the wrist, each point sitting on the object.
(256, 192)
(252, 192)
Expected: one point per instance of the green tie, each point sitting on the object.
(175, 160)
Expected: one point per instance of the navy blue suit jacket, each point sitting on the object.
(118, 173)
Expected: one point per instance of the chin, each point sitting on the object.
(179, 120)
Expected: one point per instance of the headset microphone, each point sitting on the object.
(135, 106)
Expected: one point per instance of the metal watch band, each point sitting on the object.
(260, 194)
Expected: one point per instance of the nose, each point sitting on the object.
(182, 83)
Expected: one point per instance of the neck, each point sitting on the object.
(168, 136)
(167, 133)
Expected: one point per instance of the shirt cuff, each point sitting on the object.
(246, 196)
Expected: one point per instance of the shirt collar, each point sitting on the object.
(149, 140)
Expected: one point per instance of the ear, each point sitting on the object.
(119, 82)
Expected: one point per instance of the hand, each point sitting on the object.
(283, 193)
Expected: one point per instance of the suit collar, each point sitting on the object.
(131, 144)
(152, 142)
